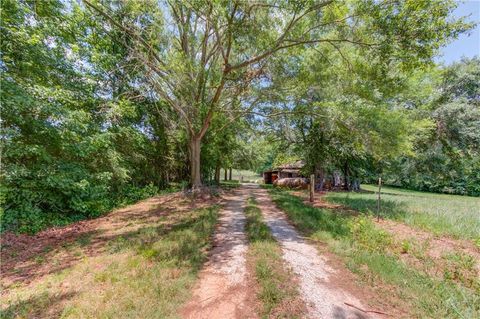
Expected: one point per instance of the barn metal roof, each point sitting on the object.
(294, 165)
(290, 170)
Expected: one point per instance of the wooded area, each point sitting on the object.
(107, 102)
(231, 159)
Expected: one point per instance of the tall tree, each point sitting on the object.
(447, 153)
(202, 55)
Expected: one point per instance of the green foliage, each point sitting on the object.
(368, 237)
(74, 144)
(87, 202)
(446, 157)
(357, 110)
(95, 116)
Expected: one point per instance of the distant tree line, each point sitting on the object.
(447, 157)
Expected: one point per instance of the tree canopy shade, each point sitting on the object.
(204, 57)
(105, 102)
(424, 137)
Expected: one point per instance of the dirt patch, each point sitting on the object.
(28, 258)
(458, 259)
(222, 290)
(438, 245)
(329, 289)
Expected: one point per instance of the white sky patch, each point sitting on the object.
(50, 42)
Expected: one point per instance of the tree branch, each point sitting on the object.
(126, 30)
(277, 46)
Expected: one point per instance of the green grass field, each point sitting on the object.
(457, 216)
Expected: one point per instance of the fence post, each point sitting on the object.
(312, 187)
(378, 200)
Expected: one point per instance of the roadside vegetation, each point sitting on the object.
(144, 270)
(446, 287)
(277, 290)
(457, 216)
(31, 222)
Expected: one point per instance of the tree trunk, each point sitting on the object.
(225, 174)
(195, 179)
(217, 174)
(321, 179)
(230, 174)
(312, 187)
(346, 173)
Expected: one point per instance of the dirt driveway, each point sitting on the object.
(223, 291)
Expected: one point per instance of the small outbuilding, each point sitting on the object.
(290, 170)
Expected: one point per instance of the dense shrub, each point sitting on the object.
(74, 145)
(26, 214)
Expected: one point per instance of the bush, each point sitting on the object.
(28, 212)
(131, 193)
(367, 236)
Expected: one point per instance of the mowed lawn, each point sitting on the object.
(442, 214)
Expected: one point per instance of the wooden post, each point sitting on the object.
(312, 187)
(378, 200)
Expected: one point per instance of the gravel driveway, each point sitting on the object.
(323, 297)
(222, 291)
